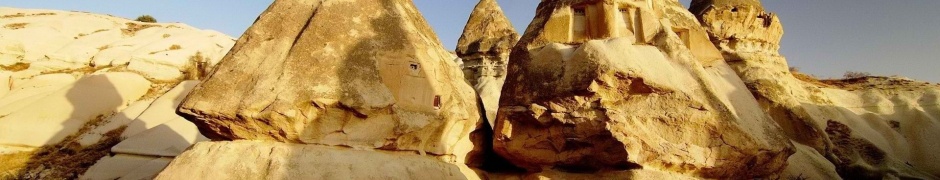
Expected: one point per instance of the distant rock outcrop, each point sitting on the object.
(863, 128)
(75, 87)
(484, 47)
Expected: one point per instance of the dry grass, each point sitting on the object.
(41, 14)
(13, 15)
(172, 47)
(68, 159)
(19, 66)
(196, 70)
(84, 34)
(15, 26)
(13, 164)
(132, 28)
(24, 15)
(809, 79)
(166, 35)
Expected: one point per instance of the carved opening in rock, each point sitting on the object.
(684, 36)
(415, 68)
(579, 24)
(437, 102)
(626, 24)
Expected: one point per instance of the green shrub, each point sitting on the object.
(146, 18)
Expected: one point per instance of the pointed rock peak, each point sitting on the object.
(487, 30)
(359, 73)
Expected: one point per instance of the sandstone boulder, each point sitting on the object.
(609, 86)
(368, 74)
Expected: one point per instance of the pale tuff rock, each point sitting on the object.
(155, 133)
(74, 81)
(589, 83)
(48, 120)
(60, 41)
(484, 47)
(272, 160)
(867, 128)
(114, 167)
(368, 74)
(162, 110)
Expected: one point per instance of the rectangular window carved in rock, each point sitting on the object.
(437, 102)
(626, 21)
(579, 24)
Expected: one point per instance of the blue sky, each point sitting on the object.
(824, 38)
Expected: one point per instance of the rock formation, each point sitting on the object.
(363, 89)
(484, 48)
(78, 86)
(376, 79)
(612, 85)
(864, 128)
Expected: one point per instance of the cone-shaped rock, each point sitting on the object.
(614, 85)
(484, 47)
(366, 74)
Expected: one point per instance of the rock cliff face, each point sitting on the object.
(611, 85)
(864, 128)
(76, 87)
(484, 48)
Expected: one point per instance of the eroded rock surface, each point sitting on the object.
(867, 128)
(484, 48)
(272, 160)
(376, 78)
(72, 82)
(611, 85)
